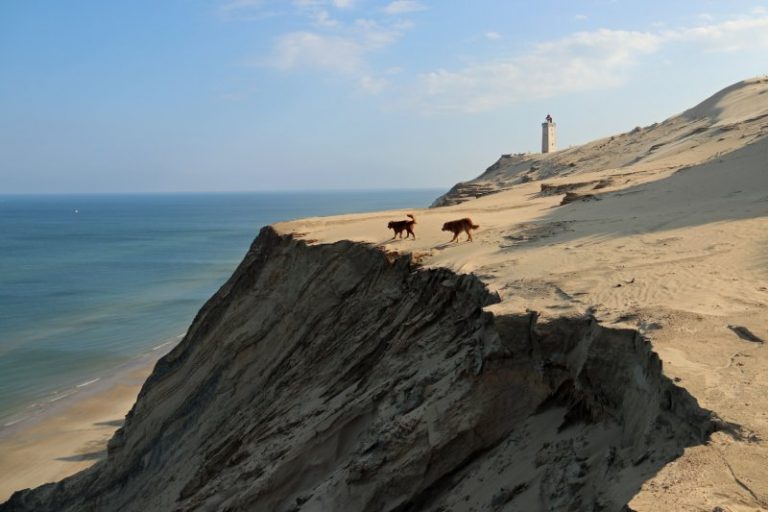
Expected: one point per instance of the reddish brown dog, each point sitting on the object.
(457, 226)
(398, 226)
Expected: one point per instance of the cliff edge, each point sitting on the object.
(331, 377)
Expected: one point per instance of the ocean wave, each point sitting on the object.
(88, 382)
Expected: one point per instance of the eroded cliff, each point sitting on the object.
(334, 377)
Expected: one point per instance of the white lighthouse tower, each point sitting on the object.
(548, 136)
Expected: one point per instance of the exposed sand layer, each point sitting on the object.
(329, 377)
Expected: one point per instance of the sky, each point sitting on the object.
(239, 95)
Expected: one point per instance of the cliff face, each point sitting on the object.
(331, 377)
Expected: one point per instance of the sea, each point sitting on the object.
(90, 283)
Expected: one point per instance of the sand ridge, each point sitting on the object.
(730, 119)
(674, 245)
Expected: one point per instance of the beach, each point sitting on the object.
(70, 437)
(84, 324)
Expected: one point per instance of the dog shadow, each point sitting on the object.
(445, 245)
(389, 241)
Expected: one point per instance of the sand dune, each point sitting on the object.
(731, 119)
(668, 234)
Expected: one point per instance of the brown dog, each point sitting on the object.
(457, 226)
(398, 226)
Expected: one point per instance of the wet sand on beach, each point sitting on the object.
(70, 438)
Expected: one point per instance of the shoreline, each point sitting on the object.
(53, 433)
(71, 433)
(51, 403)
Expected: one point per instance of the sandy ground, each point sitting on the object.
(69, 439)
(681, 270)
(679, 252)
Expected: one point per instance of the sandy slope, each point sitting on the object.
(730, 119)
(674, 242)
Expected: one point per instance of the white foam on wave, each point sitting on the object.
(87, 383)
(171, 341)
(61, 395)
(13, 422)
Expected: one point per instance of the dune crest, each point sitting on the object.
(727, 121)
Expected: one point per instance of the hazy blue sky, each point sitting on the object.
(193, 95)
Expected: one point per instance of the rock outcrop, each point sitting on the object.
(334, 377)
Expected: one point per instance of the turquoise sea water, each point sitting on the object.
(89, 282)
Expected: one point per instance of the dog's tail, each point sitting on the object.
(474, 226)
(412, 217)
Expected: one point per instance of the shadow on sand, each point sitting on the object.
(80, 457)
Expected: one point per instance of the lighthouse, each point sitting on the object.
(548, 135)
